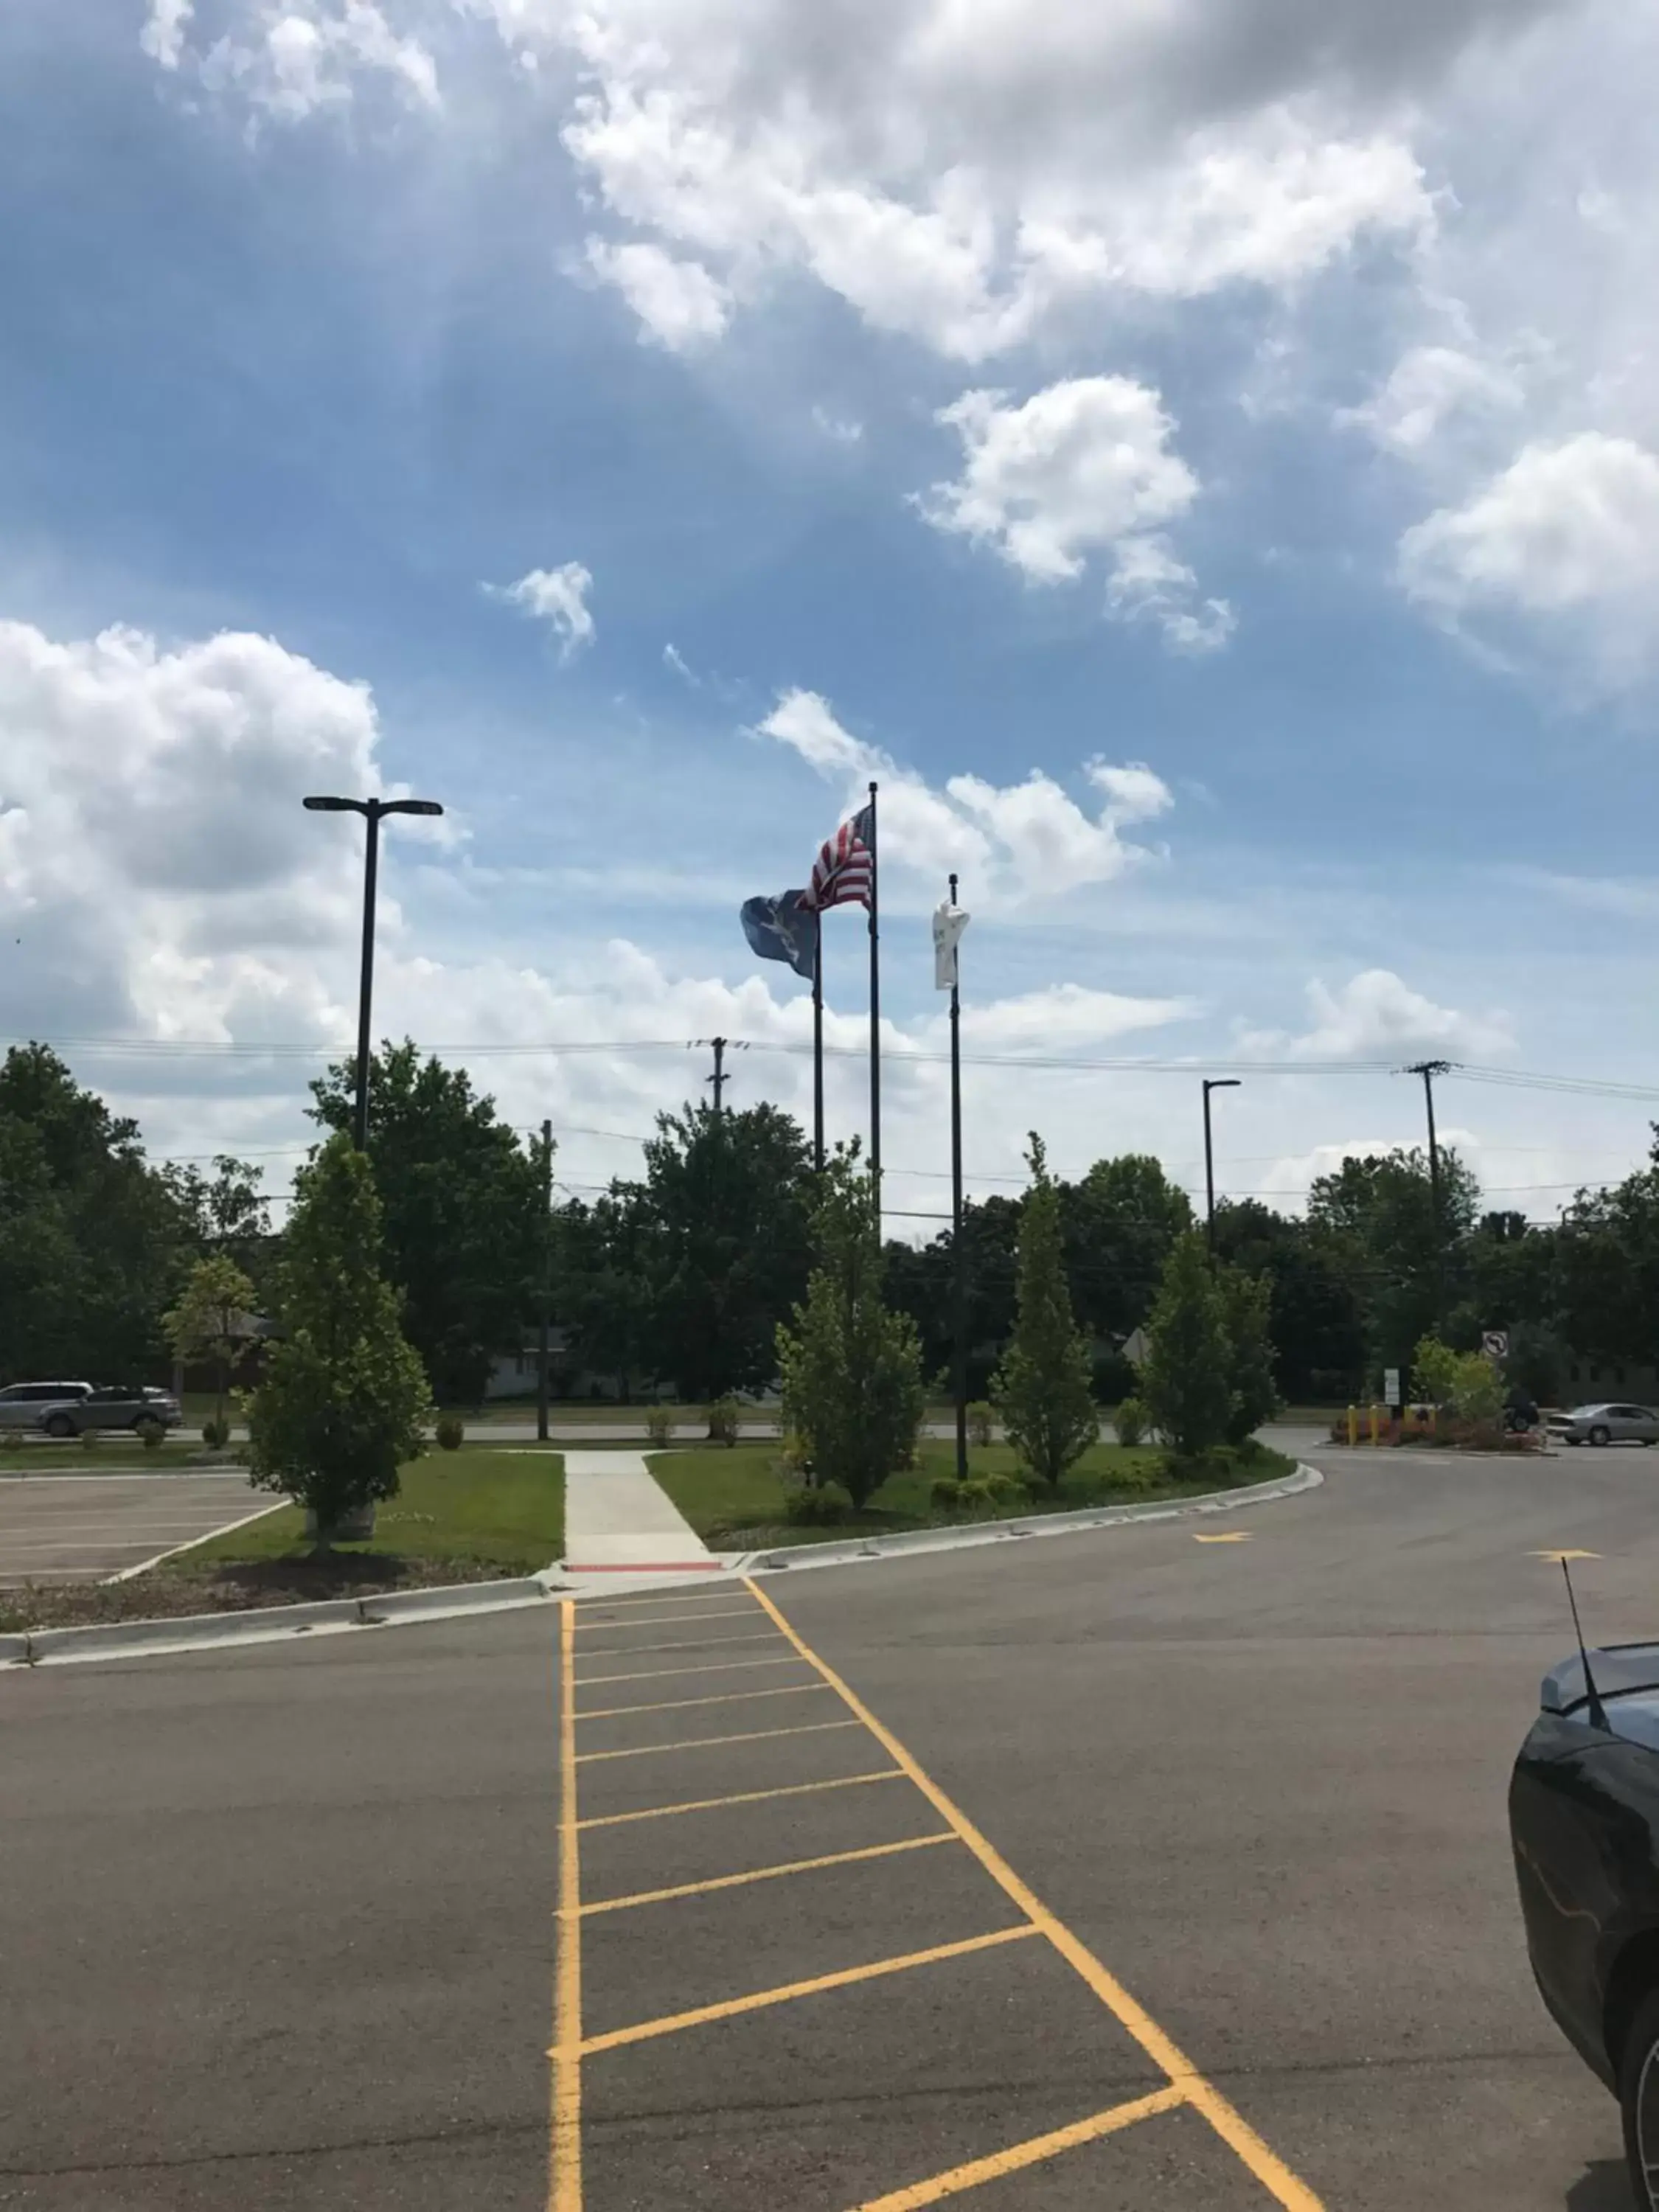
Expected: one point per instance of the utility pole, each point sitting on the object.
(1211, 1083)
(958, 1257)
(547, 1280)
(1428, 1069)
(718, 1079)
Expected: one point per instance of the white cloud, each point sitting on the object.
(163, 36)
(1015, 842)
(1426, 387)
(679, 303)
(1083, 466)
(290, 59)
(843, 431)
(557, 597)
(1376, 1016)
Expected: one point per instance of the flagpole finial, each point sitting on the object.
(953, 887)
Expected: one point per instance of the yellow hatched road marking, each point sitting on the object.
(667, 1619)
(719, 1667)
(564, 2187)
(708, 1742)
(1035, 2153)
(722, 1697)
(671, 2023)
(694, 1644)
(1560, 1559)
(1233, 1536)
(1229, 2124)
(637, 1600)
(743, 1797)
(765, 1874)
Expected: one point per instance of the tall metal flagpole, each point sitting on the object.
(958, 1258)
(875, 1018)
(818, 1045)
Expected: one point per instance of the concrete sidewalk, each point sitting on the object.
(618, 1520)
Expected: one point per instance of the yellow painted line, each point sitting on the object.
(766, 1873)
(1039, 2149)
(1233, 1536)
(848, 1978)
(657, 1673)
(564, 2187)
(722, 1697)
(743, 1797)
(708, 1742)
(1559, 1558)
(667, 1619)
(1229, 2124)
(694, 1644)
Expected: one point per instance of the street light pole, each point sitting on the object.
(372, 811)
(1428, 1069)
(958, 1257)
(1211, 1083)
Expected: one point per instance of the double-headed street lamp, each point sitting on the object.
(1211, 1083)
(371, 810)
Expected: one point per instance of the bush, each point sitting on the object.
(451, 1432)
(1130, 1421)
(981, 1421)
(827, 1505)
(90, 1439)
(11, 1440)
(723, 1421)
(660, 1425)
(150, 1434)
(215, 1433)
(987, 1494)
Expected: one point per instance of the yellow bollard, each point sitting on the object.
(1374, 1426)
(1353, 1425)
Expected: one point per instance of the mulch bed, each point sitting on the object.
(166, 1594)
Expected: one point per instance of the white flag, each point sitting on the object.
(949, 923)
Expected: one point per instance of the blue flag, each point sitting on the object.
(783, 929)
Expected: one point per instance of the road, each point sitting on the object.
(84, 1528)
(278, 1926)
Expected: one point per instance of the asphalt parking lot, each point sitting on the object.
(84, 1528)
(1141, 1870)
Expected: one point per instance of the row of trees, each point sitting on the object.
(678, 1278)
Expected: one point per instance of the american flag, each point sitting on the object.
(845, 868)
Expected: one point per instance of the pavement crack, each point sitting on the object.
(470, 2131)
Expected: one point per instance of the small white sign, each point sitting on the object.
(1391, 1396)
(949, 923)
(1495, 1343)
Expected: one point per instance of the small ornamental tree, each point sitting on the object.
(852, 1368)
(1434, 1370)
(210, 1322)
(1245, 1301)
(344, 1396)
(1187, 1379)
(1044, 1388)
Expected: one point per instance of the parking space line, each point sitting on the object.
(1036, 2152)
(637, 1600)
(697, 1643)
(721, 1698)
(718, 1667)
(1229, 2124)
(766, 1873)
(667, 1619)
(743, 1797)
(646, 2031)
(707, 1742)
(565, 2176)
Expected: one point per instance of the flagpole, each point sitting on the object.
(959, 1287)
(817, 1046)
(875, 1020)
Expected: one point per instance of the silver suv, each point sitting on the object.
(39, 1405)
(69, 1409)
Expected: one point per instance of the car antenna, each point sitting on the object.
(1598, 1711)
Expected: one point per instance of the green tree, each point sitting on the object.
(460, 1208)
(1316, 1315)
(922, 1282)
(1120, 1221)
(227, 1212)
(210, 1320)
(1187, 1379)
(1379, 1214)
(1245, 1305)
(344, 1398)
(851, 1368)
(1606, 1269)
(1434, 1371)
(1043, 1388)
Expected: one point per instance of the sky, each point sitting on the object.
(1200, 461)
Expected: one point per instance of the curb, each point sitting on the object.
(1040, 1524)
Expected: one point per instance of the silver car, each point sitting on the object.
(36, 1405)
(1613, 1423)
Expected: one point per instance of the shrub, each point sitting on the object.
(90, 1439)
(11, 1440)
(945, 1493)
(1130, 1421)
(658, 1425)
(215, 1433)
(826, 1505)
(723, 1421)
(981, 1421)
(151, 1435)
(450, 1431)
(1042, 1388)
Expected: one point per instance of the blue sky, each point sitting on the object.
(1313, 468)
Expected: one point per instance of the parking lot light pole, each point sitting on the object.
(371, 810)
(1211, 1083)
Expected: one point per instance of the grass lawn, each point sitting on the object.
(736, 1497)
(115, 1452)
